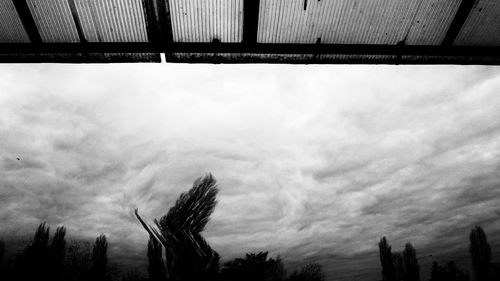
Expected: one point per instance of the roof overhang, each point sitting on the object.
(251, 31)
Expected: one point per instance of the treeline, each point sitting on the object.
(46, 258)
(176, 251)
(404, 266)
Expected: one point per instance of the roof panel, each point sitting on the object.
(112, 20)
(335, 21)
(11, 27)
(432, 21)
(54, 21)
(206, 20)
(482, 27)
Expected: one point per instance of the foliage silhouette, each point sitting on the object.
(410, 264)
(388, 273)
(480, 253)
(188, 256)
(156, 264)
(450, 272)
(57, 253)
(254, 267)
(397, 260)
(100, 258)
(78, 263)
(309, 272)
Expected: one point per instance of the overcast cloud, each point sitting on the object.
(313, 162)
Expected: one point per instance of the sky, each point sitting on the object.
(313, 162)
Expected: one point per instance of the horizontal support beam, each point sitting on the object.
(211, 48)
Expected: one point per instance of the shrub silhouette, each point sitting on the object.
(187, 255)
(100, 259)
(309, 272)
(447, 273)
(78, 263)
(254, 267)
(480, 254)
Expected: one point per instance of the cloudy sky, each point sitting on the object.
(315, 163)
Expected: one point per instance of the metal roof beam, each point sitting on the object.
(458, 21)
(76, 20)
(27, 19)
(158, 23)
(258, 48)
(250, 21)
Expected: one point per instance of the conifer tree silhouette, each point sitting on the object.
(188, 256)
(100, 258)
(156, 265)
(480, 253)
(33, 263)
(410, 264)
(388, 273)
(57, 253)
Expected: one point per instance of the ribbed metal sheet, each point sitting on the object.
(80, 58)
(336, 21)
(206, 20)
(112, 20)
(11, 27)
(54, 21)
(432, 22)
(482, 27)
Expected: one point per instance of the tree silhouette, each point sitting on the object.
(254, 267)
(450, 272)
(33, 263)
(480, 253)
(309, 272)
(410, 264)
(156, 265)
(79, 262)
(388, 273)
(100, 258)
(57, 253)
(397, 260)
(188, 256)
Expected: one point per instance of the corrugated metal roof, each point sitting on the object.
(206, 20)
(53, 20)
(482, 27)
(432, 22)
(112, 20)
(335, 21)
(11, 27)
